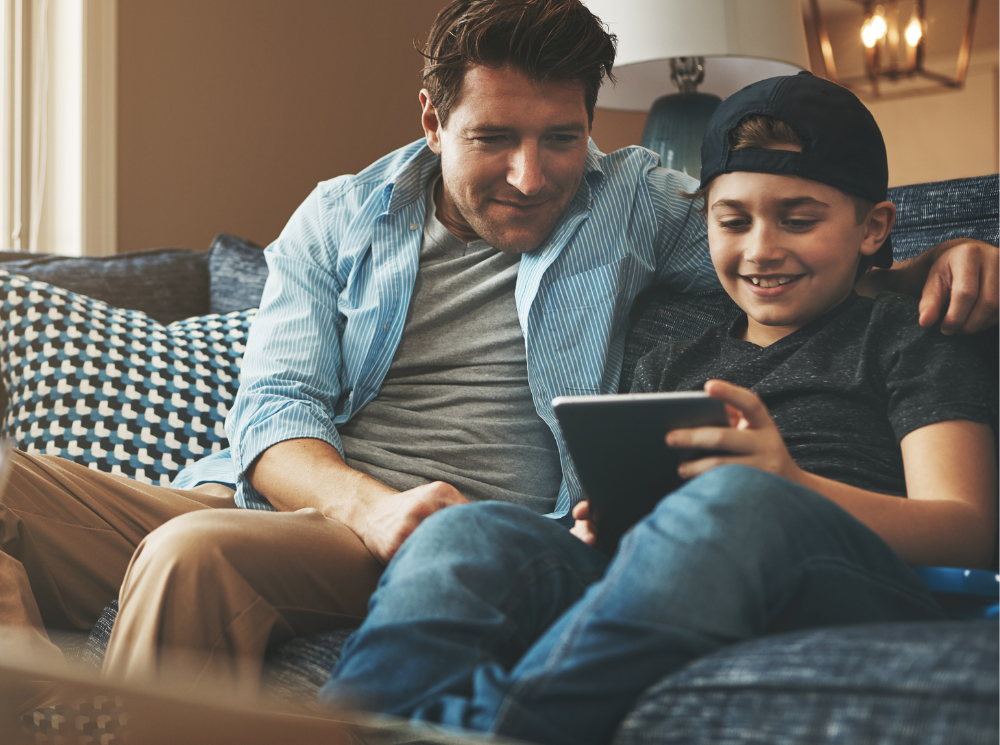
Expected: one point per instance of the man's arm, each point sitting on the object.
(956, 282)
(301, 473)
(281, 428)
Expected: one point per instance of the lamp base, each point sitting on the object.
(675, 128)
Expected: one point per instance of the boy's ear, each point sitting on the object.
(878, 224)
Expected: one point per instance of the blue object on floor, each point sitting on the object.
(964, 593)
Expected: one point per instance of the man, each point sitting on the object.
(417, 321)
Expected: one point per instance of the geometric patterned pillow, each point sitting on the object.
(112, 388)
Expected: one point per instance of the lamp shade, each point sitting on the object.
(743, 41)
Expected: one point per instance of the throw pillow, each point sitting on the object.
(236, 274)
(165, 283)
(112, 388)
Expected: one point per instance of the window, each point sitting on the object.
(57, 126)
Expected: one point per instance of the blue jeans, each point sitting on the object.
(496, 619)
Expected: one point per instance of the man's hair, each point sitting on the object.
(766, 132)
(547, 40)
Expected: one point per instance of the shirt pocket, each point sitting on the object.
(576, 330)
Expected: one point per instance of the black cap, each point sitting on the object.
(842, 145)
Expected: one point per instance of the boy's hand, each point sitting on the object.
(583, 528)
(752, 440)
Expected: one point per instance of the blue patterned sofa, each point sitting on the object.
(71, 361)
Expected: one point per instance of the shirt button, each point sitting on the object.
(413, 226)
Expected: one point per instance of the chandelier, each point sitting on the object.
(894, 45)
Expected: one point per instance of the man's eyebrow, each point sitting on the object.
(573, 127)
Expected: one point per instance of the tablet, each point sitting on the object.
(617, 445)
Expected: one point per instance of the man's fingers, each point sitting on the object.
(964, 292)
(933, 300)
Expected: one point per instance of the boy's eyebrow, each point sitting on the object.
(786, 203)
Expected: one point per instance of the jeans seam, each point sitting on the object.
(508, 712)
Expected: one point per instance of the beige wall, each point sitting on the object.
(230, 111)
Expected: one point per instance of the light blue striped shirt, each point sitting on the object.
(342, 272)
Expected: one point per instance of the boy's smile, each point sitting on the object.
(786, 249)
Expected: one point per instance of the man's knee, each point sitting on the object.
(196, 540)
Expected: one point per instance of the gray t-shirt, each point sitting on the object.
(844, 389)
(455, 405)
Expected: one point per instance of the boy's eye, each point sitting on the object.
(800, 223)
(734, 223)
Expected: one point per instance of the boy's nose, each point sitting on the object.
(524, 172)
(761, 245)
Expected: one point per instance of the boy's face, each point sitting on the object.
(786, 249)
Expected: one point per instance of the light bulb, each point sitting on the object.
(913, 33)
(868, 35)
(878, 26)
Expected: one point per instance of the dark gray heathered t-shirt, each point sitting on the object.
(455, 404)
(844, 389)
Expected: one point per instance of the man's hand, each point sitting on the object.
(583, 528)
(752, 440)
(962, 282)
(390, 519)
(956, 282)
(300, 473)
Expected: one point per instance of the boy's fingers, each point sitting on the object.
(581, 510)
(728, 439)
(745, 400)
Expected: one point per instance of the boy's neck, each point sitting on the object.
(764, 336)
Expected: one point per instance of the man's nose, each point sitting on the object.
(524, 172)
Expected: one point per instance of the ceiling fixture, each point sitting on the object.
(894, 45)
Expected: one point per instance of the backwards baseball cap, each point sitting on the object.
(841, 143)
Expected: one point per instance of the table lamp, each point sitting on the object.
(721, 45)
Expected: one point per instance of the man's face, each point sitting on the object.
(512, 156)
(786, 249)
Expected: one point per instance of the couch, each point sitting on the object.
(130, 362)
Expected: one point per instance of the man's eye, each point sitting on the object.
(489, 139)
(564, 139)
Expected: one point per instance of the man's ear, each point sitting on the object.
(429, 120)
(878, 224)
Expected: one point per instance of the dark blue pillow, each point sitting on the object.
(237, 272)
(165, 283)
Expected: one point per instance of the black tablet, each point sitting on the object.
(617, 445)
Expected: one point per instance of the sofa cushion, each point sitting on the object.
(112, 388)
(887, 683)
(236, 274)
(929, 214)
(166, 284)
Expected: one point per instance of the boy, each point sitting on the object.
(874, 451)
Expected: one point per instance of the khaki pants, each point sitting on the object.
(202, 583)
